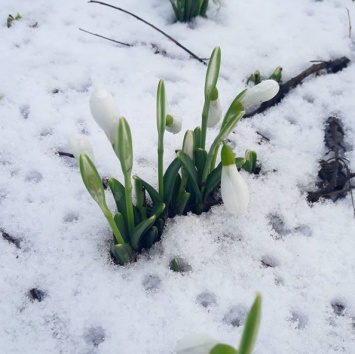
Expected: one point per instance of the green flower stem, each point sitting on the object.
(206, 170)
(214, 158)
(129, 205)
(160, 163)
(111, 221)
(205, 111)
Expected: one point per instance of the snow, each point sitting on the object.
(93, 306)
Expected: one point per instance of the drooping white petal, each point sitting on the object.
(188, 144)
(262, 92)
(235, 192)
(195, 344)
(175, 126)
(105, 111)
(80, 145)
(214, 113)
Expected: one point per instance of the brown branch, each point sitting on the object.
(154, 27)
(109, 39)
(332, 66)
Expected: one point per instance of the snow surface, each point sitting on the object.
(93, 306)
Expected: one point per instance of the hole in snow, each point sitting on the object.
(207, 299)
(299, 320)
(338, 307)
(235, 316)
(269, 261)
(304, 229)
(37, 294)
(71, 217)
(151, 282)
(34, 176)
(278, 225)
(94, 335)
(25, 111)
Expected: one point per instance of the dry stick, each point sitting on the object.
(332, 66)
(349, 19)
(154, 27)
(109, 39)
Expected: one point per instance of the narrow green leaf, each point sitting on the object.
(239, 161)
(197, 138)
(122, 227)
(250, 163)
(160, 223)
(176, 11)
(118, 192)
(192, 173)
(151, 237)
(251, 328)
(214, 65)
(223, 349)
(181, 203)
(140, 198)
(154, 195)
(169, 180)
(122, 252)
(213, 180)
(158, 209)
(140, 230)
(200, 162)
(204, 7)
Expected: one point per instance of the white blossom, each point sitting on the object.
(173, 124)
(260, 93)
(106, 113)
(214, 113)
(80, 145)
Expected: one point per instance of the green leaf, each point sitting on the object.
(174, 265)
(181, 203)
(154, 195)
(251, 328)
(204, 7)
(118, 192)
(122, 227)
(140, 230)
(214, 65)
(223, 349)
(239, 161)
(160, 223)
(192, 173)
(124, 148)
(200, 162)
(151, 237)
(161, 107)
(197, 138)
(250, 162)
(158, 209)
(169, 180)
(140, 198)
(122, 252)
(213, 180)
(176, 11)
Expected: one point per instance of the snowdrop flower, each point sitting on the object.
(235, 192)
(188, 144)
(173, 124)
(80, 145)
(106, 113)
(221, 2)
(260, 93)
(195, 344)
(214, 113)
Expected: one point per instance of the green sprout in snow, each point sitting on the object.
(11, 19)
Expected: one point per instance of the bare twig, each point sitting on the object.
(349, 20)
(154, 27)
(332, 66)
(67, 154)
(109, 39)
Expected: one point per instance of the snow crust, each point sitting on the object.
(300, 258)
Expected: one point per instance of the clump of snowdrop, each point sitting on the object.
(204, 344)
(188, 183)
(186, 10)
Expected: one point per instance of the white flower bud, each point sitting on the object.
(173, 124)
(106, 113)
(80, 145)
(260, 93)
(214, 113)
